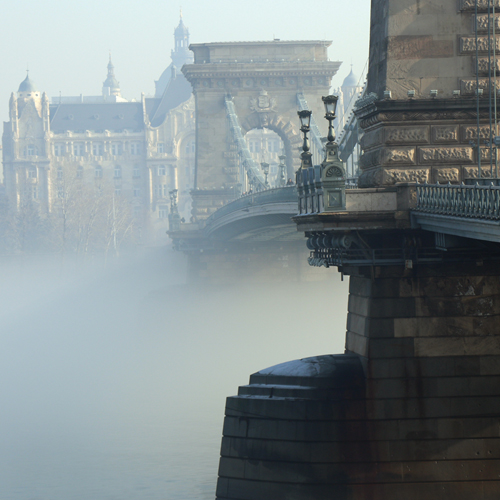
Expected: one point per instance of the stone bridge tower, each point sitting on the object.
(263, 78)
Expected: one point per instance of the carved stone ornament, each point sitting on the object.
(334, 172)
(263, 102)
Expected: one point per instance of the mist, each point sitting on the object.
(114, 377)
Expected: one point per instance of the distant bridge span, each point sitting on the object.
(261, 216)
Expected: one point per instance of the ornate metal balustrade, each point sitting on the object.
(474, 201)
(278, 195)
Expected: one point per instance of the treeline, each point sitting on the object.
(85, 218)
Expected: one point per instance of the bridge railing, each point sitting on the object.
(475, 201)
(277, 195)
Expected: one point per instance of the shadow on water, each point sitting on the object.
(113, 380)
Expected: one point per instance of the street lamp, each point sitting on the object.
(330, 102)
(305, 126)
(174, 219)
(265, 170)
(305, 122)
(173, 200)
(282, 167)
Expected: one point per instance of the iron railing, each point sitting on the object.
(474, 201)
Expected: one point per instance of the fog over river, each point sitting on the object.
(113, 379)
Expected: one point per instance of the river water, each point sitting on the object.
(113, 379)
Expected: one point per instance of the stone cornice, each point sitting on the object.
(197, 71)
(420, 109)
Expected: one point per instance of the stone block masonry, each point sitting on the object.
(411, 410)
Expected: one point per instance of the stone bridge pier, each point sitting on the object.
(410, 410)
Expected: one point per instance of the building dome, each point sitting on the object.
(350, 80)
(27, 85)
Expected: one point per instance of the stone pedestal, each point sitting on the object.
(411, 410)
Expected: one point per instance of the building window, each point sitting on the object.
(97, 148)
(137, 211)
(135, 148)
(162, 212)
(78, 149)
(34, 192)
(30, 150)
(161, 191)
(79, 172)
(116, 148)
(60, 173)
(59, 149)
(161, 147)
(32, 173)
(162, 170)
(137, 171)
(137, 192)
(118, 191)
(190, 148)
(98, 172)
(60, 192)
(118, 172)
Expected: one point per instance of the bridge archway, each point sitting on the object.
(288, 133)
(264, 80)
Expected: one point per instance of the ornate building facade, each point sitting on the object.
(142, 149)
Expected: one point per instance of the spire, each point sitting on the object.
(111, 86)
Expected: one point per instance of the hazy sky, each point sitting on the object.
(65, 43)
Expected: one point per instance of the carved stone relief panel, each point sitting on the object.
(473, 172)
(444, 133)
(482, 23)
(407, 135)
(369, 159)
(468, 86)
(485, 156)
(446, 174)
(447, 155)
(482, 5)
(484, 64)
(398, 155)
(468, 44)
(393, 176)
(370, 178)
(469, 132)
(371, 139)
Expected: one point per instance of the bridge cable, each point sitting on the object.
(254, 173)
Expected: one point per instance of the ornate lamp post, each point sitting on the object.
(305, 127)
(330, 102)
(282, 167)
(174, 219)
(265, 169)
(332, 169)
